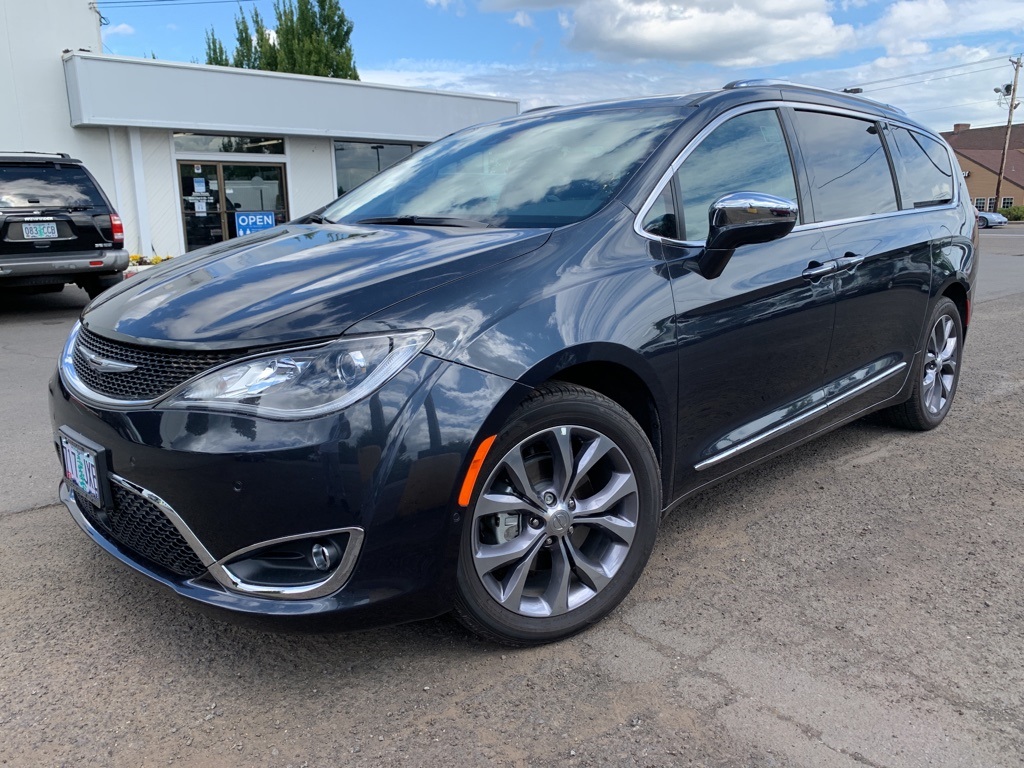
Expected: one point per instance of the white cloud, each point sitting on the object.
(522, 19)
(540, 85)
(118, 29)
(909, 21)
(751, 33)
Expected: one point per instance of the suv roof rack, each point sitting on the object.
(766, 82)
(63, 155)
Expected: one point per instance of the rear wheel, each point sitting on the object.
(937, 371)
(94, 286)
(982, 222)
(564, 522)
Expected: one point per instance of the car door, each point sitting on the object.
(881, 237)
(752, 342)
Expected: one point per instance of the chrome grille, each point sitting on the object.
(158, 372)
(140, 526)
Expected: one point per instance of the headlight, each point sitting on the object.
(303, 383)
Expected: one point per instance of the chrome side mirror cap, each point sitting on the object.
(743, 218)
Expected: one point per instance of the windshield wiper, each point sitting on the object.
(425, 221)
(314, 218)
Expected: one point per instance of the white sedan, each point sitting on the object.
(991, 219)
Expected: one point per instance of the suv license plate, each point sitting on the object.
(39, 231)
(80, 469)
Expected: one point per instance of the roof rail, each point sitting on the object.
(64, 155)
(840, 92)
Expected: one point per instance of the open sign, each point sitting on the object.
(247, 222)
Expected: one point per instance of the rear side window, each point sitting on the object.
(745, 154)
(58, 186)
(846, 164)
(922, 168)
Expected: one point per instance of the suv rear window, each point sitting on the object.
(922, 167)
(31, 185)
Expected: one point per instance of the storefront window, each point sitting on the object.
(251, 145)
(358, 161)
(224, 200)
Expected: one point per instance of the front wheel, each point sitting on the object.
(936, 373)
(564, 521)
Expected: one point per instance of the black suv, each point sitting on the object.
(56, 226)
(477, 381)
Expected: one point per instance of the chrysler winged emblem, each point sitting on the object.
(103, 365)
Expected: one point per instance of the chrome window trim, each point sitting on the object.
(796, 421)
(759, 106)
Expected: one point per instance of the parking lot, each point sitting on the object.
(856, 602)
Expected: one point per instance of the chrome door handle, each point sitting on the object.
(814, 272)
(850, 260)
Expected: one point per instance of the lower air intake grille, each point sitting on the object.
(141, 527)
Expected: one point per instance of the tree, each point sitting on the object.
(215, 53)
(312, 37)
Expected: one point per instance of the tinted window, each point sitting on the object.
(357, 161)
(846, 165)
(746, 154)
(661, 218)
(27, 186)
(542, 171)
(922, 168)
(252, 145)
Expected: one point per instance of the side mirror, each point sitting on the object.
(743, 218)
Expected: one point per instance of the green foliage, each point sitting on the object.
(312, 37)
(215, 53)
(1016, 213)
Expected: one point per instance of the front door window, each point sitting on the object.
(224, 200)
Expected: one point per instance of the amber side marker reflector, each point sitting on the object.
(474, 469)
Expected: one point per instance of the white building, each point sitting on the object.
(190, 153)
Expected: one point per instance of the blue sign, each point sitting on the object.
(253, 221)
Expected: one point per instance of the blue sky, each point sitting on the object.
(566, 51)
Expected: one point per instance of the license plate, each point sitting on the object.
(80, 469)
(39, 231)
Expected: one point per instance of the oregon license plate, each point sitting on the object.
(46, 231)
(80, 469)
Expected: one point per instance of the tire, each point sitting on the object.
(982, 222)
(94, 286)
(545, 553)
(936, 373)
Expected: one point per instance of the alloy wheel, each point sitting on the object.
(555, 521)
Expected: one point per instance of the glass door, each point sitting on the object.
(224, 200)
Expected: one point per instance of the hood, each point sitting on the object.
(295, 282)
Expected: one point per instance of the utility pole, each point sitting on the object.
(1009, 125)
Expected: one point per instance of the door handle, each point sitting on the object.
(817, 270)
(850, 260)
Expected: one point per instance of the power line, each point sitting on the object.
(121, 4)
(952, 106)
(931, 79)
(927, 72)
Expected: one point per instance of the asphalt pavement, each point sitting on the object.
(857, 602)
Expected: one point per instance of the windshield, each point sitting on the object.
(62, 186)
(543, 171)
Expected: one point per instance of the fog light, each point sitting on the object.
(324, 556)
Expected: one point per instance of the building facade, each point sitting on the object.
(980, 151)
(192, 154)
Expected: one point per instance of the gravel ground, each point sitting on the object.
(855, 603)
